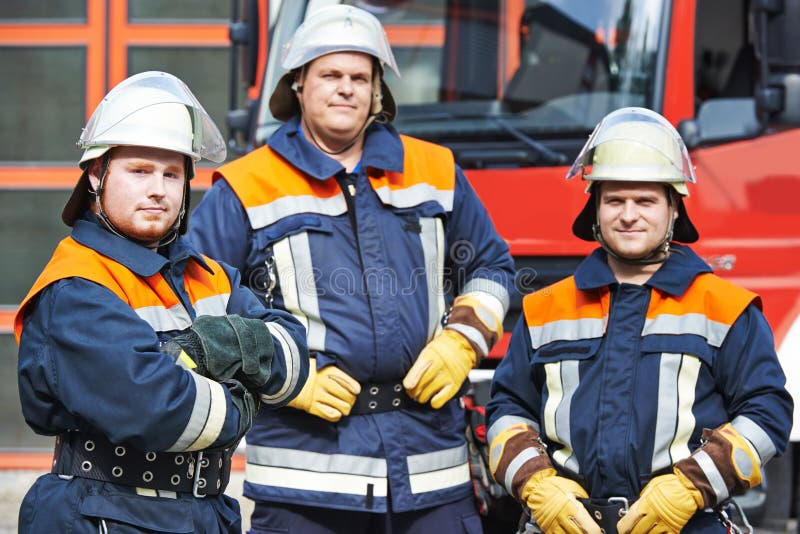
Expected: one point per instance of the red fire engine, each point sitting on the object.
(514, 87)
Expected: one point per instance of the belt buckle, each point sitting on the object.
(196, 485)
(625, 504)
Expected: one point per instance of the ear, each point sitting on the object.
(297, 85)
(94, 170)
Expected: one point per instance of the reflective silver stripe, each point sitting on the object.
(298, 286)
(438, 470)
(162, 319)
(505, 422)
(474, 335)
(415, 195)
(478, 286)
(516, 464)
(566, 330)
(312, 471)
(439, 480)
(712, 474)
(436, 460)
(216, 305)
(266, 214)
(666, 411)
(759, 439)
(291, 355)
(301, 479)
(675, 421)
(562, 379)
(687, 388)
(200, 412)
(315, 461)
(217, 412)
(691, 323)
(432, 238)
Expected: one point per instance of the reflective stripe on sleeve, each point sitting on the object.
(490, 293)
(505, 422)
(291, 356)
(207, 417)
(756, 436)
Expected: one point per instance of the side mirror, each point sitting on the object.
(243, 34)
(721, 120)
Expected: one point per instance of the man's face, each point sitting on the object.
(143, 191)
(633, 216)
(336, 96)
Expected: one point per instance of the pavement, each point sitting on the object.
(14, 484)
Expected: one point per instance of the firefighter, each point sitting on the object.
(368, 237)
(644, 378)
(145, 359)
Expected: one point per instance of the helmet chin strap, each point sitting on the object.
(657, 255)
(171, 234)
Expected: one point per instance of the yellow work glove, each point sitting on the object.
(440, 369)
(328, 393)
(553, 501)
(666, 504)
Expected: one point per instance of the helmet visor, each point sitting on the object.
(634, 144)
(141, 111)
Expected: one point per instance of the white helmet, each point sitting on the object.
(152, 109)
(634, 145)
(337, 28)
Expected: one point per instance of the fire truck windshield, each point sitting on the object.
(506, 69)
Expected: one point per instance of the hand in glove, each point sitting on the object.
(245, 403)
(665, 505)
(553, 501)
(328, 393)
(229, 346)
(440, 369)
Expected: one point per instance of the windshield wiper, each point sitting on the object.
(550, 156)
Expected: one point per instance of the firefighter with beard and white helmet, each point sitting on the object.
(145, 359)
(644, 378)
(369, 238)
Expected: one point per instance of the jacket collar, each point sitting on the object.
(140, 260)
(673, 277)
(382, 150)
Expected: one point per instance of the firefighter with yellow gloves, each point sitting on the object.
(370, 238)
(143, 444)
(644, 379)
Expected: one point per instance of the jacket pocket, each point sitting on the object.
(131, 513)
(681, 345)
(560, 351)
(291, 226)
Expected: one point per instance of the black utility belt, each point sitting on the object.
(90, 456)
(385, 397)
